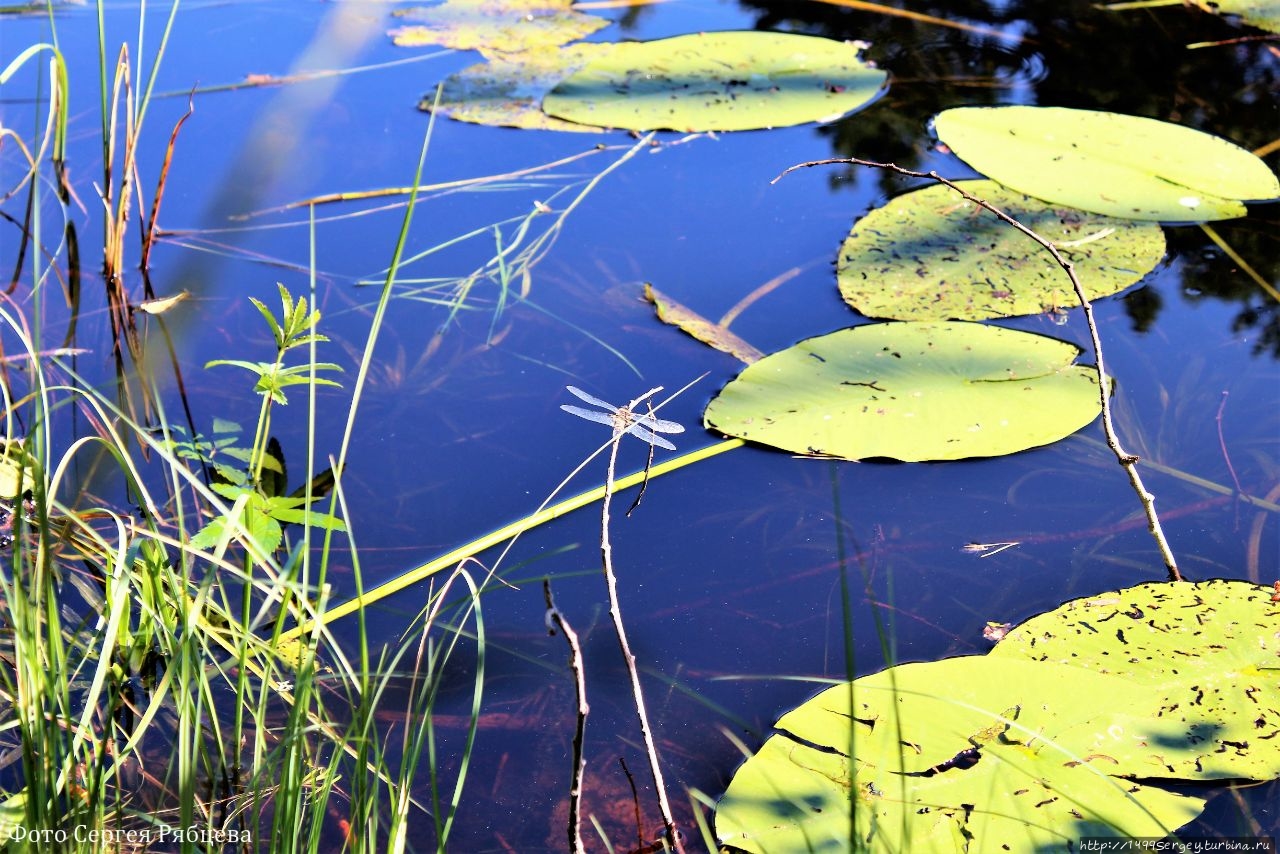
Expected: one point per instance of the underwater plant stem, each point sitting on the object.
(556, 620)
(615, 611)
(1129, 462)
(1239, 261)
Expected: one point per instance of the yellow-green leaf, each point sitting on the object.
(507, 90)
(718, 81)
(911, 391)
(932, 255)
(1107, 163)
(695, 325)
(495, 25)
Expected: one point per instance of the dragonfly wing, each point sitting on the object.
(644, 434)
(594, 401)
(659, 425)
(589, 414)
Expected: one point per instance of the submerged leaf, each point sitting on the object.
(160, 305)
(507, 91)
(495, 25)
(673, 313)
(1123, 166)
(932, 255)
(718, 81)
(911, 391)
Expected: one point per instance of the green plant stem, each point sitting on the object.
(540, 517)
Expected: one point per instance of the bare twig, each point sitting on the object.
(1128, 461)
(635, 802)
(615, 611)
(556, 620)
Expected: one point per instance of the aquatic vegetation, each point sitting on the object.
(500, 26)
(1123, 166)
(926, 256)
(911, 391)
(717, 82)
(698, 82)
(170, 644)
(1065, 729)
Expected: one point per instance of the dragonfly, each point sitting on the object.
(623, 419)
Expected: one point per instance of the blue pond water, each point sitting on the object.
(730, 569)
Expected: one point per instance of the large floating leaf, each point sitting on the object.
(1208, 653)
(948, 755)
(931, 255)
(495, 25)
(1263, 14)
(1111, 164)
(508, 89)
(911, 391)
(718, 81)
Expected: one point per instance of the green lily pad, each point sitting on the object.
(932, 255)
(16, 472)
(1209, 655)
(1123, 166)
(949, 755)
(911, 391)
(507, 90)
(495, 25)
(718, 81)
(1263, 14)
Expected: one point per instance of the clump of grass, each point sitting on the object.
(153, 682)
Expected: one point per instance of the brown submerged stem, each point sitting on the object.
(556, 620)
(1128, 462)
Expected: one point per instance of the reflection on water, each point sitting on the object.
(730, 570)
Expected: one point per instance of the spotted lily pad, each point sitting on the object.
(495, 25)
(911, 391)
(718, 81)
(1263, 14)
(1208, 653)
(952, 755)
(508, 89)
(1112, 164)
(932, 255)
